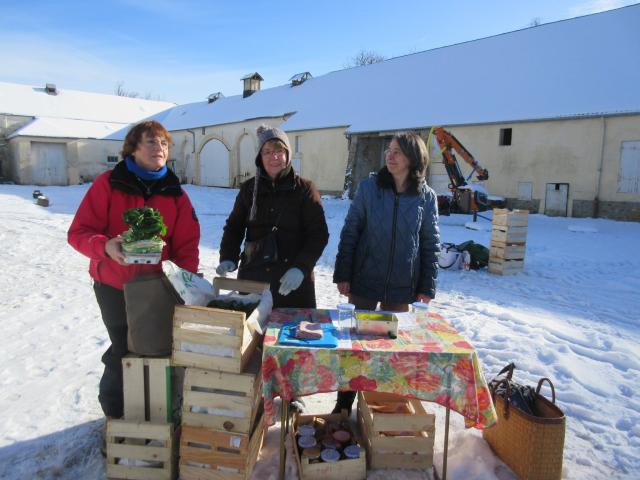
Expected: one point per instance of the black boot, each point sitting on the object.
(344, 402)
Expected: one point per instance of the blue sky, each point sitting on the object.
(181, 51)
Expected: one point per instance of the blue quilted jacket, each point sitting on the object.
(389, 244)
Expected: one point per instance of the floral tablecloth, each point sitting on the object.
(430, 362)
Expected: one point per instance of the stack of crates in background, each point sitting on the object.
(143, 445)
(222, 427)
(398, 432)
(508, 241)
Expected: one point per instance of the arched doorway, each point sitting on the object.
(214, 164)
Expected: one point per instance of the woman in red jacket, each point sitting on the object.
(141, 179)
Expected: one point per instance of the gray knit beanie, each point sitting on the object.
(266, 133)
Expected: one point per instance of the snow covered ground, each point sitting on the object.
(573, 315)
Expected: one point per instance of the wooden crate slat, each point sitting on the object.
(402, 461)
(241, 383)
(509, 252)
(124, 428)
(506, 267)
(246, 286)
(418, 443)
(133, 388)
(515, 218)
(137, 473)
(213, 339)
(209, 316)
(195, 473)
(190, 359)
(159, 394)
(143, 452)
(516, 235)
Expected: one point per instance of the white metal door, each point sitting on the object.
(214, 164)
(629, 173)
(49, 163)
(556, 199)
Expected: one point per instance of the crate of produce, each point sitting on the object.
(215, 338)
(146, 384)
(141, 450)
(347, 459)
(207, 453)
(221, 400)
(398, 432)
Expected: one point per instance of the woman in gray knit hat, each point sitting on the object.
(280, 218)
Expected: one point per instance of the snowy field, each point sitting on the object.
(573, 315)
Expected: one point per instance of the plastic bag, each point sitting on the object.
(193, 289)
(520, 396)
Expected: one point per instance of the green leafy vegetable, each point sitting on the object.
(145, 223)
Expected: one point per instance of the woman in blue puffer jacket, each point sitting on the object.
(388, 251)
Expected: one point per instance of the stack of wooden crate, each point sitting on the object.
(222, 427)
(508, 241)
(143, 445)
(398, 432)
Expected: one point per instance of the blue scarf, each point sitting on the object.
(138, 171)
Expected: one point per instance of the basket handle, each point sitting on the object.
(553, 390)
(506, 396)
(508, 370)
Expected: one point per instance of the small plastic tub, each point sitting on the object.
(352, 451)
(330, 455)
(306, 430)
(307, 441)
(341, 436)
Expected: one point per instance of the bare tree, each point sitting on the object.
(364, 57)
(120, 91)
(535, 22)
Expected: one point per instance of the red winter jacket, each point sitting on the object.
(99, 218)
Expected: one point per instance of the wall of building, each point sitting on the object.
(20, 165)
(239, 139)
(556, 152)
(87, 158)
(8, 125)
(322, 156)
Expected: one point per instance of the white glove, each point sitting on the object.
(225, 267)
(290, 281)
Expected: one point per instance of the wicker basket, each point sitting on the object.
(532, 446)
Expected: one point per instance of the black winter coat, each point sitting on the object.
(294, 204)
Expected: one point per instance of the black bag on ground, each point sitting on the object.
(520, 396)
(150, 301)
(262, 251)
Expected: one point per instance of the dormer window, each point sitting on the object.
(50, 88)
(300, 78)
(214, 96)
(251, 84)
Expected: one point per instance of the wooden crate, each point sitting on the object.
(209, 454)
(234, 398)
(345, 469)
(505, 267)
(510, 218)
(501, 251)
(509, 235)
(141, 450)
(222, 336)
(147, 389)
(398, 432)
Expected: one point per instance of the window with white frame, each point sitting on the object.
(525, 190)
(629, 171)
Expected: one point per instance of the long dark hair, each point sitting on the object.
(414, 148)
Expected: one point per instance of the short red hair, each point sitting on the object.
(151, 127)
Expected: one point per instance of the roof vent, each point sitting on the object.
(51, 89)
(214, 96)
(251, 84)
(300, 78)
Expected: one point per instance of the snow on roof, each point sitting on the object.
(33, 101)
(579, 67)
(67, 128)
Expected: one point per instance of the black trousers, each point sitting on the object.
(114, 315)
